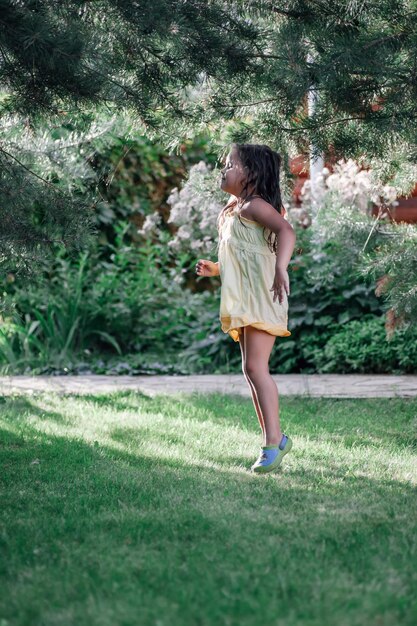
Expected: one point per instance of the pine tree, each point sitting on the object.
(358, 57)
(59, 62)
(180, 66)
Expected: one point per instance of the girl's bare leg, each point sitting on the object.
(258, 345)
(251, 387)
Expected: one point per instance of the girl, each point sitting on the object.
(250, 268)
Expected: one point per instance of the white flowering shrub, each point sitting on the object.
(194, 209)
(353, 187)
(346, 239)
(151, 222)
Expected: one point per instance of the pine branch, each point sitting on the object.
(287, 13)
(47, 182)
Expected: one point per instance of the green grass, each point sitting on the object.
(128, 510)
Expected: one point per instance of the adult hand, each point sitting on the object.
(281, 284)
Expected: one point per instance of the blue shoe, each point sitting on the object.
(271, 456)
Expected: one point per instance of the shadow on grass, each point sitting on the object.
(134, 535)
(22, 404)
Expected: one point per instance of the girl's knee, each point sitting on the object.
(248, 369)
(254, 370)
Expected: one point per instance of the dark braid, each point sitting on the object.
(263, 169)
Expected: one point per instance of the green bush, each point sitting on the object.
(116, 308)
(126, 306)
(361, 346)
(54, 319)
(121, 309)
(324, 295)
(135, 178)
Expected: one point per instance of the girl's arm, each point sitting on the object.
(281, 284)
(286, 242)
(265, 214)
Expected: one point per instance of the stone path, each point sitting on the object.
(314, 385)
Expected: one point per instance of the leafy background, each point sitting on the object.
(130, 302)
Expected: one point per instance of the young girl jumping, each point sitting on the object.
(251, 266)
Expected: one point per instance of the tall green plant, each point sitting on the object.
(53, 320)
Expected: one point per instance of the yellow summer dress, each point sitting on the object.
(247, 271)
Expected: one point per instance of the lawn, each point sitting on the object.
(126, 510)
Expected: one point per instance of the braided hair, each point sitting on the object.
(263, 169)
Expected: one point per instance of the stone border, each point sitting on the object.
(312, 385)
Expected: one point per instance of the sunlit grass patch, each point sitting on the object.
(126, 509)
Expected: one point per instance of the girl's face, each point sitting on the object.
(233, 175)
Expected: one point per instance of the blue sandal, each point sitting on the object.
(270, 457)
